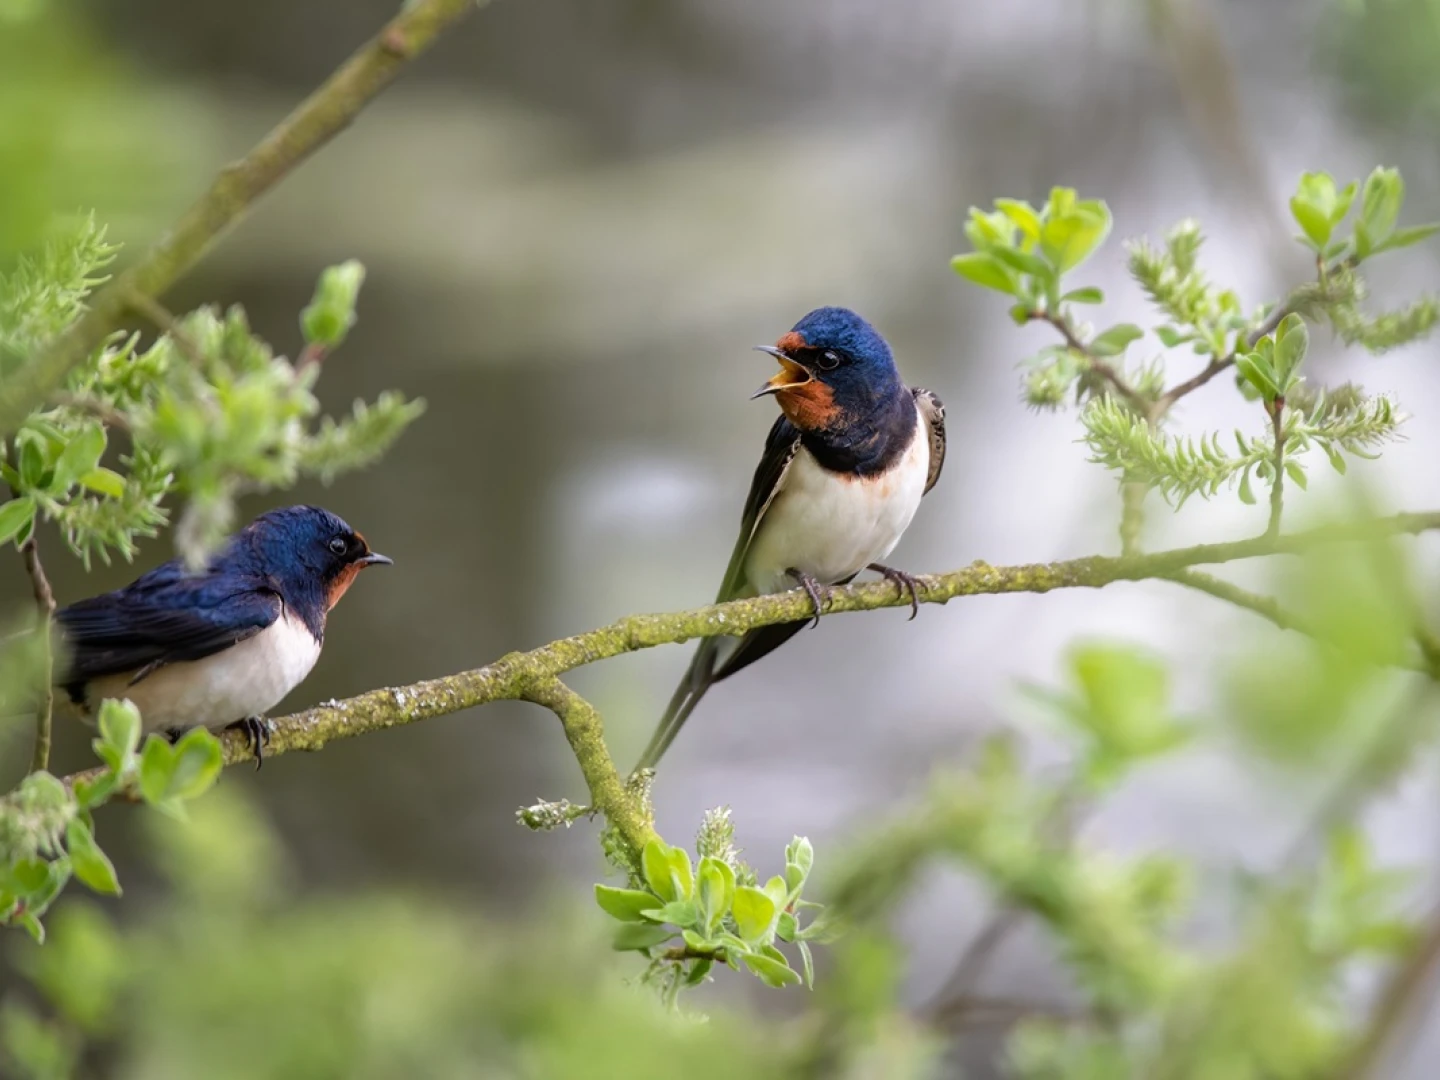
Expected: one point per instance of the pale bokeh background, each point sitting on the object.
(577, 219)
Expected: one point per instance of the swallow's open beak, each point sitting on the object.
(788, 377)
(375, 559)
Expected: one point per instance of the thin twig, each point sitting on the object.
(1396, 1005)
(45, 606)
(1132, 516)
(1266, 607)
(1277, 485)
(1223, 363)
(1099, 365)
(166, 323)
(318, 119)
(103, 411)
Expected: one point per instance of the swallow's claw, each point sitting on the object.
(257, 736)
(904, 582)
(814, 590)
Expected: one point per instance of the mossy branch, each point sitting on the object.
(534, 675)
(313, 123)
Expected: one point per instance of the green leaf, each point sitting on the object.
(29, 876)
(1380, 202)
(1405, 237)
(655, 860)
(92, 793)
(157, 764)
(809, 964)
(32, 464)
(1247, 493)
(1297, 474)
(681, 873)
(1337, 461)
(81, 455)
(772, 972)
(754, 913)
(778, 892)
(698, 970)
(682, 913)
(984, 269)
(623, 904)
(331, 314)
(15, 516)
(1259, 373)
(91, 865)
(786, 927)
(198, 761)
(799, 858)
(33, 926)
(1291, 342)
(1116, 340)
(1318, 207)
(1071, 235)
(120, 725)
(1089, 294)
(1314, 222)
(1024, 262)
(639, 936)
(715, 891)
(1171, 337)
(104, 482)
(1023, 215)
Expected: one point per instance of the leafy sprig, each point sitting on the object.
(719, 914)
(209, 411)
(47, 832)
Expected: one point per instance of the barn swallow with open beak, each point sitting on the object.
(220, 646)
(843, 471)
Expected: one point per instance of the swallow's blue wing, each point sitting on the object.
(781, 446)
(166, 616)
(706, 668)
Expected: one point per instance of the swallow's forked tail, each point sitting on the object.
(704, 672)
(698, 678)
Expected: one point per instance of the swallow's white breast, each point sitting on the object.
(247, 679)
(833, 526)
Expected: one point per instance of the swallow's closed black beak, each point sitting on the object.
(375, 559)
(788, 377)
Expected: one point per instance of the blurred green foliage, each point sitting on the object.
(77, 129)
(346, 986)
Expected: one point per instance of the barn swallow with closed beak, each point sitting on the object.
(843, 472)
(220, 646)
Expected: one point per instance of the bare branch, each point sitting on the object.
(1141, 404)
(1223, 363)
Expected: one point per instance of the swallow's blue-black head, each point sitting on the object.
(835, 369)
(305, 547)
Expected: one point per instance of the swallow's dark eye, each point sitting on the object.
(829, 360)
(338, 545)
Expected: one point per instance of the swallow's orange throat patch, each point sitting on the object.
(810, 406)
(341, 582)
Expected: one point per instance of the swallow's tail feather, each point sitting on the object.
(704, 672)
(697, 679)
